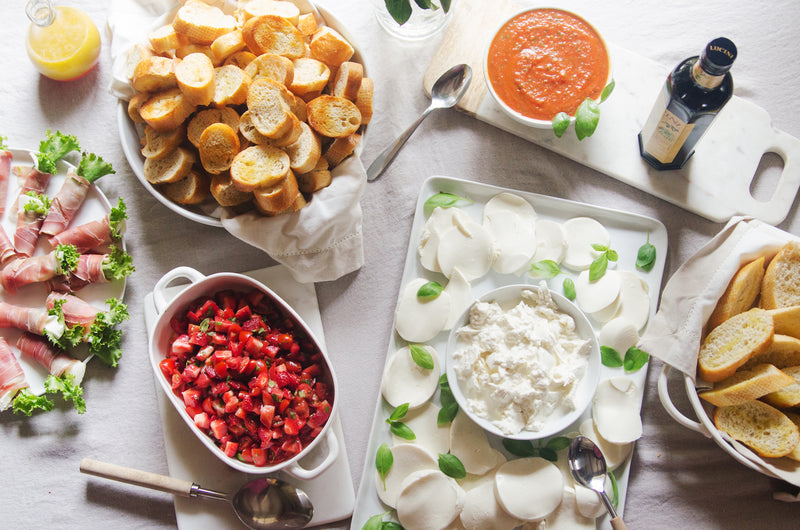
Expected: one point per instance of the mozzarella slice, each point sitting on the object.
(482, 511)
(599, 294)
(567, 516)
(620, 334)
(469, 443)
(420, 321)
(430, 436)
(460, 293)
(588, 502)
(404, 381)
(429, 500)
(529, 488)
(615, 454)
(550, 241)
(440, 220)
(511, 220)
(468, 246)
(635, 299)
(407, 458)
(608, 312)
(580, 234)
(615, 410)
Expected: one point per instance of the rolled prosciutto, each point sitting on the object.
(76, 311)
(31, 208)
(95, 234)
(55, 360)
(7, 250)
(93, 268)
(5, 176)
(32, 319)
(12, 378)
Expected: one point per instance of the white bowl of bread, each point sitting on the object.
(748, 386)
(251, 109)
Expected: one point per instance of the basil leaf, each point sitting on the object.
(443, 380)
(443, 200)
(610, 357)
(425, 4)
(447, 414)
(421, 356)
(548, 454)
(558, 443)
(398, 413)
(614, 490)
(546, 268)
(402, 430)
(569, 288)
(635, 359)
(646, 257)
(451, 466)
(374, 523)
(598, 267)
(521, 448)
(446, 5)
(383, 462)
(391, 525)
(612, 255)
(561, 123)
(399, 9)
(586, 118)
(429, 291)
(609, 88)
(599, 248)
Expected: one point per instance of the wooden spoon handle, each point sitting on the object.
(618, 524)
(136, 477)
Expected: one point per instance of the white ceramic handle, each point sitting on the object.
(159, 291)
(672, 410)
(298, 471)
(136, 477)
(788, 148)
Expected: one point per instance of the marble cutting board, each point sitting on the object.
(716, 181)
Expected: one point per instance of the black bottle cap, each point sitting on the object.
(718, 56)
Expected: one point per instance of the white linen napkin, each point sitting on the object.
(321, 242)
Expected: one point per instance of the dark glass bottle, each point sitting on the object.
(694, 93)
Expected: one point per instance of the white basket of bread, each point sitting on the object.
(246, 105)
(745, 385)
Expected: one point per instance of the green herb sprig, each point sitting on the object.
(526, 448)
(587, 116)
(449, 404)
(401, 9)
(600, 264)
(397, 427)
(646, 256)
(443, 200)
(633, 361)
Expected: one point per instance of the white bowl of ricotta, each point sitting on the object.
(523, 362)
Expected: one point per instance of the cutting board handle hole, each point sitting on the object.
(768, 174)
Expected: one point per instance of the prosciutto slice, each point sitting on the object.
(88, 271)
(12, 378)
(32, 319)
(66, 202)
(5, 174)
(7, 250)
(76, 311)
(85, 237)
(24, 271)
(29, 223)
(55, 360)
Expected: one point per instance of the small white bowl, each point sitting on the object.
(518, 116)
(508, 296)
(199, 286)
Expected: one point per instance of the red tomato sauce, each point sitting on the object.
(546, 61)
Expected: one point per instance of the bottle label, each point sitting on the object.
(664, 133)
(704, 79)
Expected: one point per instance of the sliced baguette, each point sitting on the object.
(765, 429)
(226, 45)
(733, 343)
(202, 23)
(219, 144)
(787, 320)
(206, 117)
(273, 34)
(341, 148)
(268, 109)
(231, 85)
(259, 166)
(310, 75)
(257, 8)
(164, 111)
(172, 168)
(364, 99)
(195, 75)
(291, 135)
(784, 351)
(305, 152)
(333, 117)
(249, 131)
(240, 59)
(745, 385)
(225, 193)
(278, 197)
(135, 105)
(271, 66)
(136, 55)
(330, 47)
(781, 284)
(154, 74)
(788, 396)
(191, 48)
(307, 24)
(741, 293)
(166, 39)
(159, 144)
(795, 454)
(347, 82)
(192, 189)
(314, 180)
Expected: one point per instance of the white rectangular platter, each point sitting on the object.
(331, 493)
(627, 232)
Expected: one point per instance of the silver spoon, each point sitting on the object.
(588, 467)
(261, 504)
(445, 93)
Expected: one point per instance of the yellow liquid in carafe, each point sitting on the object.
(67, 48)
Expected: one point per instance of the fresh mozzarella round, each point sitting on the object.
(608, 312)
(615, 410)
(529, 489)
(550, 241)
(440, 220)
(567, 516)
(511, 220)
(468, 246)
(427, 250)
(615, 454)
(419, 321)
(460, 293)
(588, 502)
(404, 381)
(580, 234)
(431, 436)
(429, 500)
(468, 442)
(635, 299)
(594, 296)
(407, 458)
(619, 333)
(482, 511)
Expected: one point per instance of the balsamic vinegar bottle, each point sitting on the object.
(693, 94)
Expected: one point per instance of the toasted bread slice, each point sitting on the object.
(784, 351)
(733, 343)
(231, 85)
(795, 454)
(226, 45)
(291, 135)
(159, 144)
(135, 105)
(164, 111)
(763, 428)
(202, 23)
(240, 59)
(273, 34)
(135, 55)
(741, 293)
(781, 284)
(225, 193)
(206, 117)
(165, 39)
(341, 148)
(192, 189)
(188, 49)
(307, 24)
(249, 131)
(304, 153)
(278, 197)
(257, 8)
(195, 75)
(259, 166)
(171, 168)
(787, 320)
(314, 180)
(268, 109)
(347, 82)
(154, 74)
(364, 99)
(330, 47)
(271, 66)
(219, 144)
(333, 117)
(310, 75)
(789, 395)
(745, 385)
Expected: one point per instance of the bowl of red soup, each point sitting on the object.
(244, 372)
(545, 61)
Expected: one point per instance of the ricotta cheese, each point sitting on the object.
(519, 366)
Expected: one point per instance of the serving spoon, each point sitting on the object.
(261, 504)
(588, 467)
(445, 93)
